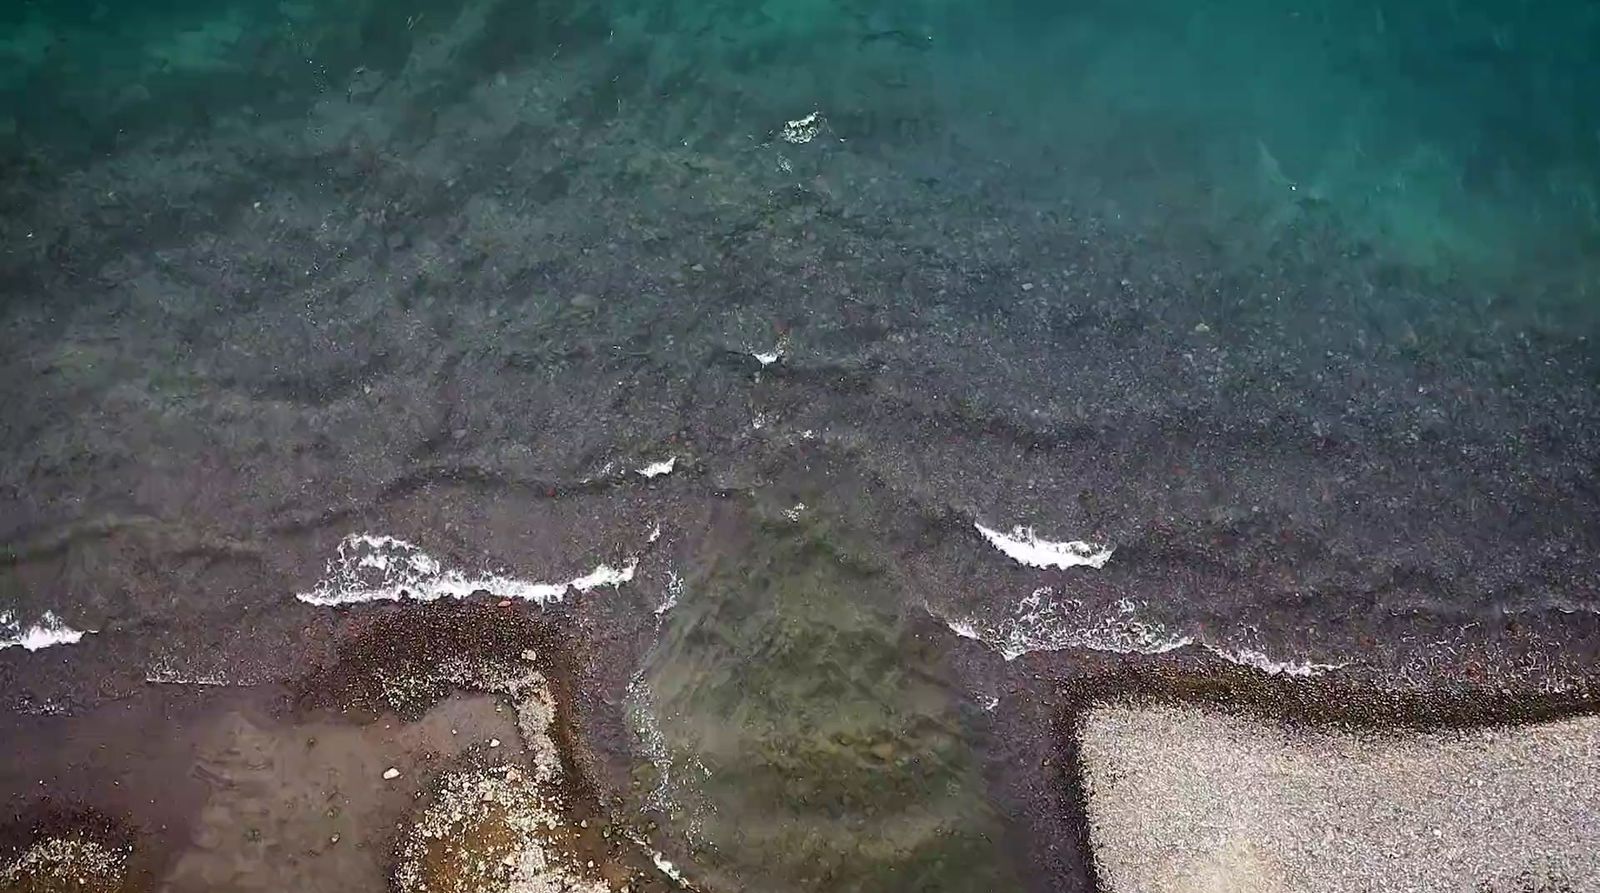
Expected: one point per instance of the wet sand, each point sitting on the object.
(226, 795)
(348, 779)
(255, 802)
(308, 807)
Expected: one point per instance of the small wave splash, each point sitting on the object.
(384, 568)
(1041, 621)
(48, 631)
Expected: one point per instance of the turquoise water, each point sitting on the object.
(1459, 139)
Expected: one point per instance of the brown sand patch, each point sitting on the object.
(307, 806)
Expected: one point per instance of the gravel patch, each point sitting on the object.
(489, 831)
(62, 863)
(1186, 799)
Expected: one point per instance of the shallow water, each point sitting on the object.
(841, 336)
(802, 735)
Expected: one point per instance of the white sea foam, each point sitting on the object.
(666, 867)
(604, 575)
(657, 469)
(371, 568)
(964, 629)
(642, 712)
(768, 357)
(674, 591)
(164, 674)
(1042, 622)
(602, 474)
(1025, 547)
(1250, 657)
(49, 630)
(802, 130)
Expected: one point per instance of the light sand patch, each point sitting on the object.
(1183, 799)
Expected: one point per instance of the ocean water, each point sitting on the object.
(851, 378)
(1454, 138)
